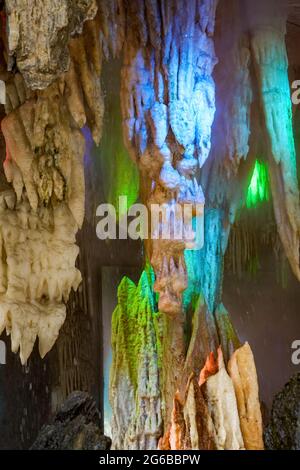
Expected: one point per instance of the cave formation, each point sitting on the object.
(205, 90)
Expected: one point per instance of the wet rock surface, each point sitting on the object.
(283, 431)
(76, 426)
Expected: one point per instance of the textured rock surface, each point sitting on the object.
(168, 106)
(38, 36)
(209, 415)
(44, 164)
(191, 425)
(44, 154)
(242, 371)
(283, 431)
(222, 405)
(44, 145)
(270, 57)
(37, 269)
(76, 426)
(134, 381)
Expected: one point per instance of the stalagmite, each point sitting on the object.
(191, 425)
(218, 411)
(200, 430)
(168, 106)
(136, 422)
(167, 385)
(242, 371)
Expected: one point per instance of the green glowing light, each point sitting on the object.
(258, 190)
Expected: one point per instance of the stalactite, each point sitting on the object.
(112, 26)
(38, 36)
(136, 422)
(44, 154)
(222, 405)
(168, 108)
(270, 58)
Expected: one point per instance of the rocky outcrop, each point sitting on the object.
(222, 405)
(76, 426)
(283, 431)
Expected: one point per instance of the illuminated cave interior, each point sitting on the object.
(108, 109)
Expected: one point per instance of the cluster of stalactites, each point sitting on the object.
(220, 409)
(39, 33)
(46, 107)
(168, 106)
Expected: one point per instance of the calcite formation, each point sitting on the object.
(214, 404)
(271, 62)
(44, 164)
(168, 106)
(242, 371)
(134, 383)
(213, 413)
(236, 92)
(191, 425)
(283, 430)
(76, 426)
(16, 92)
(38, 36)
(38, 254)
(220, 395)
(44, 154)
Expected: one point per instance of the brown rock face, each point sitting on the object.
(242, 371)
(220, 411)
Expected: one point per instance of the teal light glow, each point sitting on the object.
(258, 189)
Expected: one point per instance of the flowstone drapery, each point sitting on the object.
(44, 164)
(168, 106)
